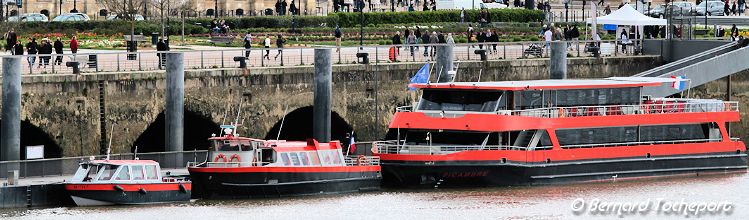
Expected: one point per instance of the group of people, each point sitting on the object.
(267, 43)
(281, 6)
(731, 9)
(219, 27)
(553, 33)
(415, 37)
(43, 49)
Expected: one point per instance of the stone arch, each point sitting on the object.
(13, 12)
(32, 135)
(103, 12)
(198, 129)
(209, 12)
(298, 126)
(239, 12)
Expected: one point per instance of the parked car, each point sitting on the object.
(117, 17)
(683, 8)
(657, 12)
(71, 17)
(29, 17)
(714, 8)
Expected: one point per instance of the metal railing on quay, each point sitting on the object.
(68, 165)
(92, 63)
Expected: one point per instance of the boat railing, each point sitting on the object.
(392, 147)
(236, 164)
(641, 143)
(664, 106)
(655, 106)
(361, 160)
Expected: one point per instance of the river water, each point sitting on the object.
(727, 195)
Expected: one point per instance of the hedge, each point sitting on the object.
(350, 19)
(345, 19)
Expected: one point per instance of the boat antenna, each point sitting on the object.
(223, 119)
(135, 154)
(109, 147)
(283, 119)
(480, 74)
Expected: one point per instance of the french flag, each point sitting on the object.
(352, 144)
(679, 82)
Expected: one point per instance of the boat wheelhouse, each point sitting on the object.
(125, 182)
(548, 131)
(239, 167)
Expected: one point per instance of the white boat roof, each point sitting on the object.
(612, 82)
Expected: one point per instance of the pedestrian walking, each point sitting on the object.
(161, 46)
(462, 15)
(280, 41)
(410, 42)
(338, 36)
(450, 40)
(397, 41)
(266, 44)
(247, 45)
(58, 50)
(434, 40)
(10, 39)
(44, 51)
(469, 33)
(495, 39)
(18, 48)
(74, 46)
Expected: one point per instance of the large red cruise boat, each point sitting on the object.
(240, 167)
(551, 131)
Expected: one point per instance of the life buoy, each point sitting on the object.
(219, 156)
(239, 159)
(362, 160)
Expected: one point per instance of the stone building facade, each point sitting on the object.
(94, 8)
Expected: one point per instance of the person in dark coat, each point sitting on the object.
(161, 46)
(425, 38)
(32, 49)
(397, 40)
(58, 50)
(11, 38)
(280, 41)
(494, 39)
(18, 48)
(44, 51)
(247, 45)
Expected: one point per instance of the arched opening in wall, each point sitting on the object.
(198, 129)
(209, 12)
(13, 13)
(45, 12)
(298, 126)
(32, 135)
(103, 13)
(239, 12)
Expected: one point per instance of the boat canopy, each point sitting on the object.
(551, 84)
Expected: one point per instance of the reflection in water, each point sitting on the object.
(532, 202)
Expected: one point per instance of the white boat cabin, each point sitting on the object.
(118, 171)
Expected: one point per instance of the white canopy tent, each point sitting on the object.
(628, 16)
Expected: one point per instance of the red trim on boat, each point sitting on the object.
(128, 187)
(575, 154)
(336, 169)
(491, 122)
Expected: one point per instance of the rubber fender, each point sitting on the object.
(182, 188)
(142, 191)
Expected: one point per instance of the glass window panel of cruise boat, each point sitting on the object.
(531, 99)
(124, 173)
(633, 135)
(449, 140)
(152, 172)
(138, 172)
(462, 100)
(86, 173)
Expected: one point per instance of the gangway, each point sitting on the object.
(700, 68)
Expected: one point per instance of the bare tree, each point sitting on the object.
(165, 7)
(126, 10)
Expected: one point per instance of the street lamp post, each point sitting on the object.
(360, 5)
(215, 9)
(75, 6)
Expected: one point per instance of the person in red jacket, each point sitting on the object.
(74, 45)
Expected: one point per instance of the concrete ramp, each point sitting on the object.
(700, 68)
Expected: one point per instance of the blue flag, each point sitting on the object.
(422, 76)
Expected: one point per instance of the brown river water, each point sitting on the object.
(723, 196)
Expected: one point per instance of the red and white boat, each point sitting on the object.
(125, 182)
(239, 167)
(549, 131)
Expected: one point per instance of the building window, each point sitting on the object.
(209, 12)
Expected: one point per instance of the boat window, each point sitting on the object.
(106, 172)
(294, 159)
(304, 158)
(325, 158)
(124, 173)
(461, 100)
(285, 159)
(138, 172)
(314, 159)
(653, 134)
(597, 135)
(151, 172)
(229, 145)
(544, 142)
(675, 132)
(267, 156)
(592, 97)
(528, 99)
(336, 157)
